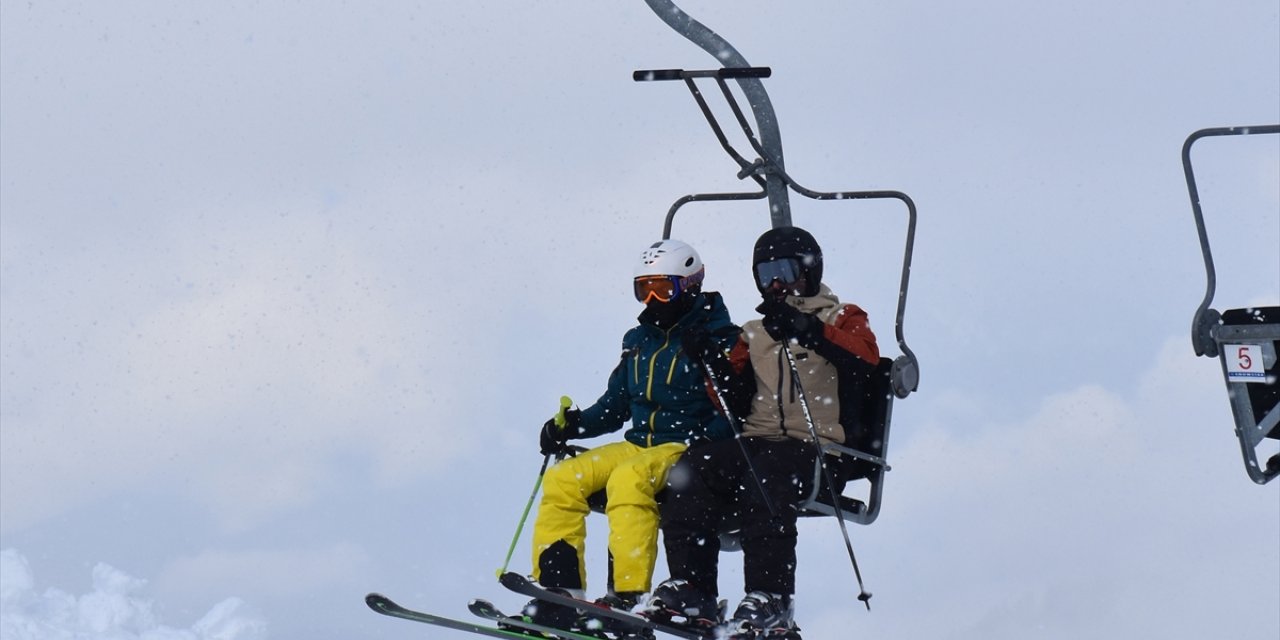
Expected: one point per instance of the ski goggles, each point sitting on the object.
(785, 270)
(664, 288)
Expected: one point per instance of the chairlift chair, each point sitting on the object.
(1244, 340)
(862, 455)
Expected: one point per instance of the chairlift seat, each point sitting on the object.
(862, 457)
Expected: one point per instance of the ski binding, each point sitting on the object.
(637, 625)
(387, 607)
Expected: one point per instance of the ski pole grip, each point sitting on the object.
(565, 403)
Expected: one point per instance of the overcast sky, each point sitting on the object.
(287, 290)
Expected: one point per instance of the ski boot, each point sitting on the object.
(550, 614)
(603, 627)
(763, 616)
(679, 604)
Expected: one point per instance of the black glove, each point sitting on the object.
(696, 342)
(554, 439)
(785, 322)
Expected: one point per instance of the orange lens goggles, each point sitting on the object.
(660, 288)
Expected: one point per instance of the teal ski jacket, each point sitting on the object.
(658, 387)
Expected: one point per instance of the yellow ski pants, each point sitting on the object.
(630, 475)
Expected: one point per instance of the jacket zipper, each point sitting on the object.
(782, 415)
(648, 391)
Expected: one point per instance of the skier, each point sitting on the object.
(833, 347)
(666, 398)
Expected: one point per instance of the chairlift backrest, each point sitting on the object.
(862, 457)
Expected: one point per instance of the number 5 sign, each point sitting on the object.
(1244, 363)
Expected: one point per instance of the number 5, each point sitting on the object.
(1243, 357)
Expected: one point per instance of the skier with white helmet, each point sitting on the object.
(658, 391)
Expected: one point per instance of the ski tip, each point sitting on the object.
(484, 608)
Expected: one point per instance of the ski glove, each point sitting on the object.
(696, 342)
(785, 322)
(555, 438)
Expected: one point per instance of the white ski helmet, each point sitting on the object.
(665, 270)
(668, 258)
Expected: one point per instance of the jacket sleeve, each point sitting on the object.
(848, 343)
(613, 409)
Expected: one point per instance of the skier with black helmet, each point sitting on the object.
(664, 395)
(834, 347)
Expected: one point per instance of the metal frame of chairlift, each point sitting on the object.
(1238, 337)
(897, 377)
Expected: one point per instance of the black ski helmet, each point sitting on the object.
(790, 242)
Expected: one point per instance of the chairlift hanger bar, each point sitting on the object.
(709, 41)
(719, 75)
(1205, 321)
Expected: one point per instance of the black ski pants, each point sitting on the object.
(711, 489)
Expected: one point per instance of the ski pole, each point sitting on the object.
(560, 420)
(737, 433)
(863, 595)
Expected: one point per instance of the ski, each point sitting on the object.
(488, 611)
(387, 607)
(637, 623)
(763, 634)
